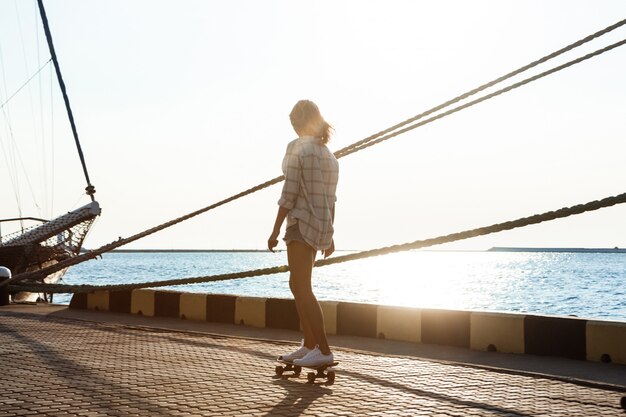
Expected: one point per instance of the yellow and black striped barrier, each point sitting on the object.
(567, 337)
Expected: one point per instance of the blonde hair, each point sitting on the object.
(306, 116)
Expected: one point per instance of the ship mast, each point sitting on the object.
(90, 189)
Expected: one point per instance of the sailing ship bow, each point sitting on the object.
(58, 239)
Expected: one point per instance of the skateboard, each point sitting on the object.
(287, 367)
(324, 371)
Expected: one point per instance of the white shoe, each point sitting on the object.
(298, 354)
(315, 358)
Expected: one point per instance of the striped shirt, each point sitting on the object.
(311, 175)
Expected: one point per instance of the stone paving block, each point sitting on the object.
(83, 368)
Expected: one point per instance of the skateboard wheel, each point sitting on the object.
(331, 376)
(311, 377)
(297, 369)
(279, 370)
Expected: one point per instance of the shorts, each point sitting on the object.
(293, 233)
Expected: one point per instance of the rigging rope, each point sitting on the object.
(418, 244)
(348, 149)
(25, 83)
(365, 143)
(486, 97)
(12, 156)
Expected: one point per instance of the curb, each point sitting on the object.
(566, 337)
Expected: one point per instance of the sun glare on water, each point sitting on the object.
(426, 280)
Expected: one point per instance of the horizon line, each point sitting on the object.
(614, 249)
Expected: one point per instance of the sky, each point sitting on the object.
(180, 104)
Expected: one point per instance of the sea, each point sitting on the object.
(588, 285)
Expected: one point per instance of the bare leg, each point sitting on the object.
(309, 338)
(301, 258)
(295, 267)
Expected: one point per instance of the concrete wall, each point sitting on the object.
(567, 337)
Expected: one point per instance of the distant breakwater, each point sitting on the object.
(559, 250)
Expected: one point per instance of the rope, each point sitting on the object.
(486, 97)
(25, 83)
(365, 143)
(115, 244)
(418, 244)
(348, 149)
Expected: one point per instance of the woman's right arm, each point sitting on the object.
(331, 249)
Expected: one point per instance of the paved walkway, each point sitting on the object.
(57, 366)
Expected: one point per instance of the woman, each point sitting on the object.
(308, 203)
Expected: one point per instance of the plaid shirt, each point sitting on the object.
(311, 175)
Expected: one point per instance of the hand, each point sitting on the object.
(330, 250)
(272, 242)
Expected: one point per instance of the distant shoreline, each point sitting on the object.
(188, 250)
(558, 250)
(494, 249)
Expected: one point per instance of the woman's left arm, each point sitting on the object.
(272, 242)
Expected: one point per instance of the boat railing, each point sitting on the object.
(54, 227)
(19, 219)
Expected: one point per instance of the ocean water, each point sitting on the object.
(590, 285)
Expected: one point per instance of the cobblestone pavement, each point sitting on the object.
(59, 367)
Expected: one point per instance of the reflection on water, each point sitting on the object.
(582, 284)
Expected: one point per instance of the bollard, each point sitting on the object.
(5, 274)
